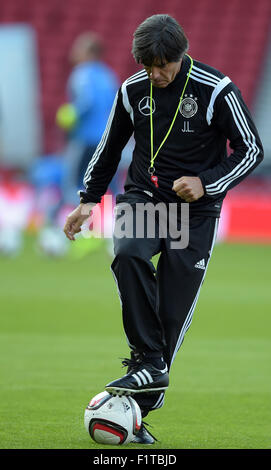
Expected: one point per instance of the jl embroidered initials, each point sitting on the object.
(186, 127)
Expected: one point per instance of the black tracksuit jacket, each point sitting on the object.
(212, 112)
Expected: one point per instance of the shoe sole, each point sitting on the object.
(118, 391)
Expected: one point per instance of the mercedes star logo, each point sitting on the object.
(144, 106)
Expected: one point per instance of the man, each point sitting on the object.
(181, 113)
(91, 89)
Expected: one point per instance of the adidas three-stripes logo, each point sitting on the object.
(143, 377)
(200, 264)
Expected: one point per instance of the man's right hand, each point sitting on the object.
(76, 219)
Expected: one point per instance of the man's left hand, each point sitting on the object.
(188, 188)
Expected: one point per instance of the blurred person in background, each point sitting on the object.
(91, 88)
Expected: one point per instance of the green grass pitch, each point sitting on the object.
(61, 339)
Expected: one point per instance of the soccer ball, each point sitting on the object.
(112, 420)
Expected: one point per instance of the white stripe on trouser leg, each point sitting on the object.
(159, 402)
(188, 319)
(139, 383)
(147, 375)
(143, 378)
(116, 281)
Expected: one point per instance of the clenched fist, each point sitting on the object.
(188, 188)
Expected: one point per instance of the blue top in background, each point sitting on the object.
(92, 87)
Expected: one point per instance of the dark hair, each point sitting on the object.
(159, 37)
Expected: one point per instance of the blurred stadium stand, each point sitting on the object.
(233, 36)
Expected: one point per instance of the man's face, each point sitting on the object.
(162, 74)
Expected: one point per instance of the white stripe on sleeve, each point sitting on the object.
(101, 144)
(252, 149)
(219, 87)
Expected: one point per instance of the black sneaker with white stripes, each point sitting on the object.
(141, 377)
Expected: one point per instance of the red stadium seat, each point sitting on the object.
(231, 36)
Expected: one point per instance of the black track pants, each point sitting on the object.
(158, 304)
